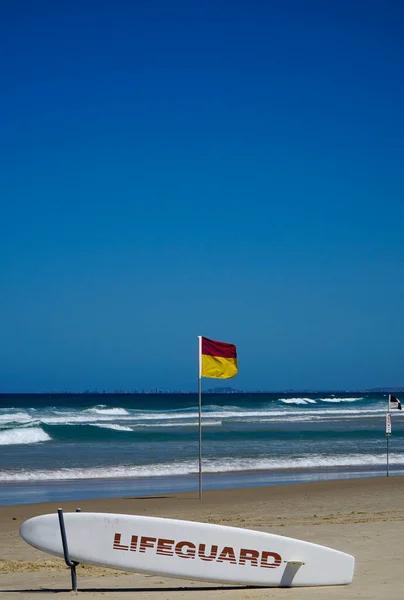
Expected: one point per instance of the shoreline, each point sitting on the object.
(27, 492)
(362, 517)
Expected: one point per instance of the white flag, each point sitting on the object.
(394, 402)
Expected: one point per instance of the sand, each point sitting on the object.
(364, 517)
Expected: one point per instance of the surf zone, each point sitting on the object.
(204, 552)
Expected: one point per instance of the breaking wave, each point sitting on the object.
(188, 467)
(23, 435)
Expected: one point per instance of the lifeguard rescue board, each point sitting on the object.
(190, 550)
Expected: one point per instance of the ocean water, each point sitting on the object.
(67, 447)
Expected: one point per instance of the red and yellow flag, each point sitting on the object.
(218, 359)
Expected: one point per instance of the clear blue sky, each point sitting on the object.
(230, 169)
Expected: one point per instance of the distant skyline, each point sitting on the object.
(226, 169)
(208, 390)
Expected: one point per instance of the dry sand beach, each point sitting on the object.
(363, 517)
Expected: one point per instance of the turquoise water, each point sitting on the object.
(80, 446)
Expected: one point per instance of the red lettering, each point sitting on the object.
(133, 543)
(202, 555)
(184, 549)
(251, 555)
(227, 554)
(165, 547)
(277, 559)
(146, 542)
(191, 552)
(117, 543)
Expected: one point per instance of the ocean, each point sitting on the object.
(56, 447)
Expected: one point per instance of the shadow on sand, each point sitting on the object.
(136, 589)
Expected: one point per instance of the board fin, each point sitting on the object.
(291, 569)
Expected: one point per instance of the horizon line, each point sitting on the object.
(223, 391)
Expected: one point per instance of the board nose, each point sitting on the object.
(26, 531)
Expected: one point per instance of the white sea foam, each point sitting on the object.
(164, 416)
(69, 419)
(15, 417)
(279, 419)
(136, 425)
(302, 462)
(205, 422)
(100, 410)
(298, 401)
(339, 399)
(296, 409)
(92, 416)
(216, 407)
(320, 412)
(289, 413)
(113, 426)
(223, 465)
(23, 435)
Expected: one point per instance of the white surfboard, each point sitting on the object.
(190, 550)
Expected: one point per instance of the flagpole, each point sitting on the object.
(387, 437)
(200, 411)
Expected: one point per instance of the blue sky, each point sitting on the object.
(230, 169)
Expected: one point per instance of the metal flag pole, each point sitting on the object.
(200, 411)
(387, 442)
(388, 433)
